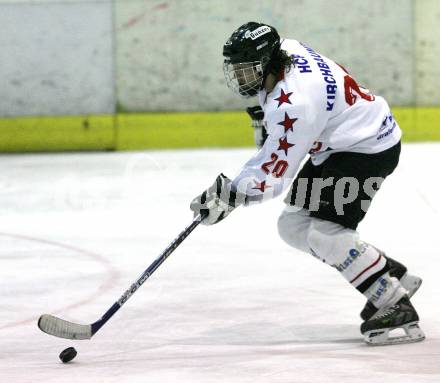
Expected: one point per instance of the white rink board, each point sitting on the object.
(427, 74)
(232, 304)
(175, 47)
(57, 58)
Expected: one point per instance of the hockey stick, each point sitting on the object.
(64, 329)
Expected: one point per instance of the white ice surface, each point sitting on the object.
(232, 304)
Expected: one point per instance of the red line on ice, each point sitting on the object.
(112, 276)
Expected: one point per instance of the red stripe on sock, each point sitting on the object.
(368, 268)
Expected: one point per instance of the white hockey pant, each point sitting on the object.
(359, 263)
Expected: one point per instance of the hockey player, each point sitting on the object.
(311, 105)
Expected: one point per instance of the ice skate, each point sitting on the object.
(411, 283)
(378, 330)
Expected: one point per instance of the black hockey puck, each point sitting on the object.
(68, 354)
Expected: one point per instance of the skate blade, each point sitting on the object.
(381, 337)
(411, 283)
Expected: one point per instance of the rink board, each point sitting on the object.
(183, 130)
(165, 130)
(41, 134)
(233, 129)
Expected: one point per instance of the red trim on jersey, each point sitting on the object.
(345, 70)
(368, 268)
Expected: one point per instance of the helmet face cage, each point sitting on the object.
(244, 79)
(247, 55)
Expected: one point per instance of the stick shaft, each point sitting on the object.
(146, 274)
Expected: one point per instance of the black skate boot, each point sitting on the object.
(411, 283)
(401, 315)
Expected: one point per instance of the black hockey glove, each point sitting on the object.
(257, 115)
(218, 201)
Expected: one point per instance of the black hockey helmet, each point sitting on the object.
(247, 57)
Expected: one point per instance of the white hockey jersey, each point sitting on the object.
(317, 108)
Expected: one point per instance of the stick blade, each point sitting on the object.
(63, 329)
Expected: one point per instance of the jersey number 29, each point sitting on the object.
(352, 90)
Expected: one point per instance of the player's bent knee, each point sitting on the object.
(319, 243)
(292, 228)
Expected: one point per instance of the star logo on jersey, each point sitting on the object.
(261, 186)
(284, 145)
(287, 123)
(284, 98)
